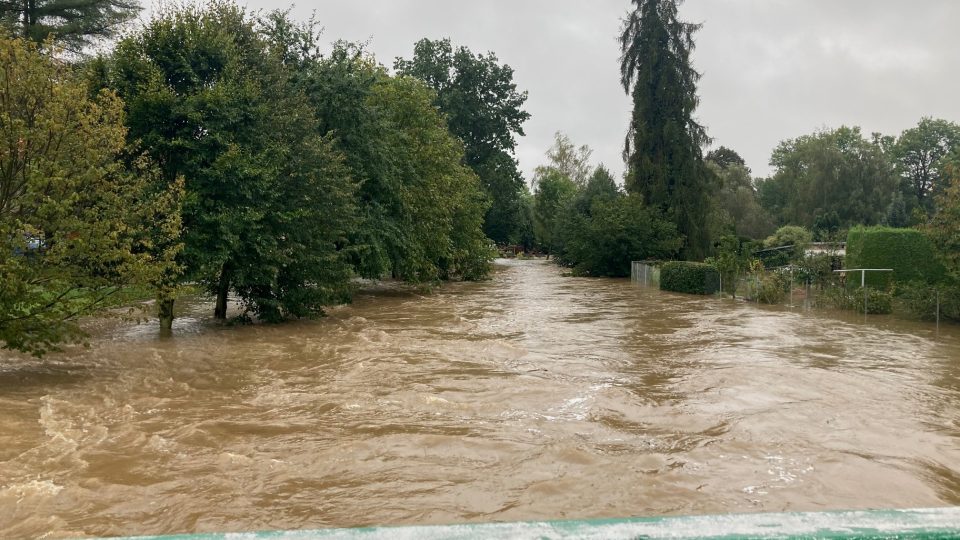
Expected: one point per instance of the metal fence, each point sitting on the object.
(646, 273)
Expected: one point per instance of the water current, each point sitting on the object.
(530, 396)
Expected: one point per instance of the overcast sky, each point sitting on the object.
(772, 69)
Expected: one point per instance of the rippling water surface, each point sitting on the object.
(531, 396)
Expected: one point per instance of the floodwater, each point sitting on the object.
(531, 396)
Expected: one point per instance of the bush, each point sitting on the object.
(920, 300)
(689, 277)
(878, 302)
(773, 288)
(906, 251)
(788, 235)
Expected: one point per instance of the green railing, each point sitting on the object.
(933, 523)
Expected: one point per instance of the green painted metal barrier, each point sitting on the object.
(933, 523)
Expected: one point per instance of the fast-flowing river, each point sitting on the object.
(530, 396)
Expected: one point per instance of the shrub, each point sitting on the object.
(788, 235)
(878, 302)
(920, 300)
(773, 288)
(906, 251)
(689, 277)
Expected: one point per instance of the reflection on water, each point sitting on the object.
(530, 396)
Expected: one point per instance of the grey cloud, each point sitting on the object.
(772, 69)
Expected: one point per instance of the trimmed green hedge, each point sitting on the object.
(689, 277)
(907, 251)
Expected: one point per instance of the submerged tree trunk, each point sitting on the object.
(165, 313)
(223, 289)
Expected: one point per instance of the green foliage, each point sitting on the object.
(554, 192)
(567, 159)
(919, 156)
(897, 212)
(269, 201)
(877, 302)
(615, 231)
(77, 230)
(774, 287)
(736, 207)
(818, 269)
(732, 259)
(790, 235)
(441, 204)
(72, 23)
(922, 301)
(421, 209)
(484, 109)
(829, 172)
(726, 158)
(664, 141)
(689, 277)
(943, 228)
(907, 252)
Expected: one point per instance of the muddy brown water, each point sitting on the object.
(531, 396)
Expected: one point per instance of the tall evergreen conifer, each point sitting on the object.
(74, 23)
(664, 141)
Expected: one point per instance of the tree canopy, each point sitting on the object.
(664, 140)
(827, 179)
(269, 201)
(77, 227)
(919, 155)
(485, 110)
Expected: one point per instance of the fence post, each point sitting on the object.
(938, 310)
(863, 285)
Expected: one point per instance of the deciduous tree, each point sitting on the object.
(919, 152)
(485, 110)
(76, 226)
(269, 200)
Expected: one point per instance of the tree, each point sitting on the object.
(944, 227)
(733, 258)
(829, 172)
(791, 236)
(554, 192)
(484, 109)
(919, 153)
(269, 201)
(726, 158)
(441, 203)
(568, 159)
(76, 227)
(421, 208)
(736, 205)
(601, 230)
(617, 231)
(664, 141)
(73, 23)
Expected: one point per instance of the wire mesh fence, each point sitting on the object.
(646, 273)
(798, 288)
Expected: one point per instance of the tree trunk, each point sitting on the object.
(165, 313)
(28, 10)
(223, 289)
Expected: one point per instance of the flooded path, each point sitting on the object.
(531, 396)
